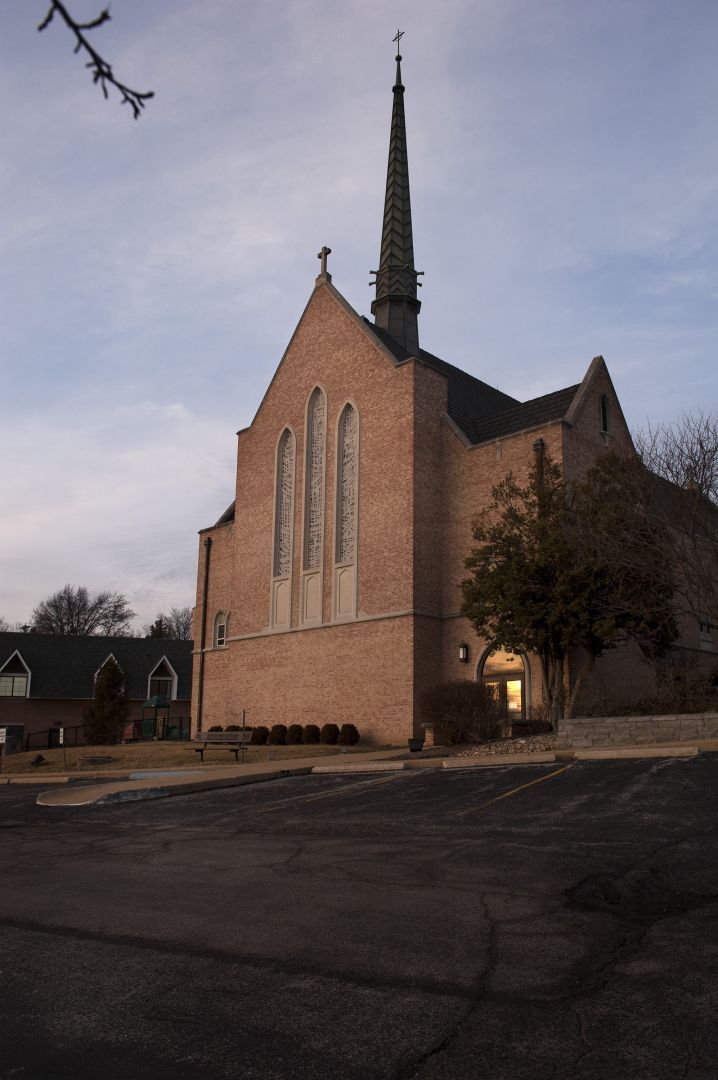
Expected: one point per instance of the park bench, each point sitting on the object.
(222, 740)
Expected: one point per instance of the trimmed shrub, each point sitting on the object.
(462, 711)
(294, 734)
(278, 735)
(348, 735)
(259, 735)
(329, 734)
(310, 734)
(215, 727)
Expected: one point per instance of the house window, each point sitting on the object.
(14, 677)
(604, 413)
(705, 627)
(220, 630)
(162, 681)
(13, 685)
(161, 687)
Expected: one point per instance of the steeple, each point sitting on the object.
(396, 307)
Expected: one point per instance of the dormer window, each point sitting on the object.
(14, 677)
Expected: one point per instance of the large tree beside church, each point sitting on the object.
(561, 569)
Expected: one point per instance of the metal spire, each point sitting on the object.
(396, 307)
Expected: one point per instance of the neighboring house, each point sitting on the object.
(329, 590)
(46, 680)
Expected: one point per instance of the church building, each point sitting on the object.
(329, 590)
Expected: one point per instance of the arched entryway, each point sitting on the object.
(506, 675)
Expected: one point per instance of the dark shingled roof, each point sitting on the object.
(64, 666)
(540, 410)
(469, 397)
(479, 410)
(226, 517)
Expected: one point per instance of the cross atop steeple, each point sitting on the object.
(395, 307)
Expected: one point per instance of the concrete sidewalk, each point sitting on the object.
(161, 784)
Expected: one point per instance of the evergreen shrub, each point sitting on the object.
(462, 711)
(109, 710)
(348, 735)
(294, 734)
(278, 735)
(259, 735)
(310, 734)
(329, 734)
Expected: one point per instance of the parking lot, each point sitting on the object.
(516, 922)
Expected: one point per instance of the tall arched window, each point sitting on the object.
(345, 544)
(283, 530)
(316, 439)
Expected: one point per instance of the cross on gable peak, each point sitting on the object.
(322, 256)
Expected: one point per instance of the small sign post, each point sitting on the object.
(61, 736)
(244, 723)
(3, 733)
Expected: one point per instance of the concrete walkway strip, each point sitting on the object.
(614, 752)
(35, 779)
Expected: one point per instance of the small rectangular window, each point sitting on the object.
(161, 688)
(13, 685)
(705, 627)
(221, 633)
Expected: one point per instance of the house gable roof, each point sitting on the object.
(64, 666)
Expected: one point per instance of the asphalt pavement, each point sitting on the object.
(540, 921)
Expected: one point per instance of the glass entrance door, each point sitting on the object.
(503, 673)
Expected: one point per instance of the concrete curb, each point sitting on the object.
(499, 759)
(109, 793)
(630, 752)
(361, 767)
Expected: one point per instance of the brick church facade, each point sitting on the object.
(329, 591)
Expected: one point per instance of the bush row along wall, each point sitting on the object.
(584, 732)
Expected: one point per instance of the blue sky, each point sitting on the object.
(564, 169)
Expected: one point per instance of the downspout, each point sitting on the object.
(203, 631)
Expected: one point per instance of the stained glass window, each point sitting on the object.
(285, 505)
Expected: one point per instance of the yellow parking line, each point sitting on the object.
(328, 794)
(521, 787)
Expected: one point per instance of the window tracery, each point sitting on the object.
(346, 517)
(285, 505)
(314, 494)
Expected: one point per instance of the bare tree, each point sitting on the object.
(682, 459)
(101, 70)
(73, 611)
(177, 625)
(684, 452)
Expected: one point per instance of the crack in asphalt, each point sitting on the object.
(283, 966)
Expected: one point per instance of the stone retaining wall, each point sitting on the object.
(589, 731)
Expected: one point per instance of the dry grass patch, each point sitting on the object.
(160, 755)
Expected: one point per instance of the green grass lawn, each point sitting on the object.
(153, 755)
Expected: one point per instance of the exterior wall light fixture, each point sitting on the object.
(463, 652)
